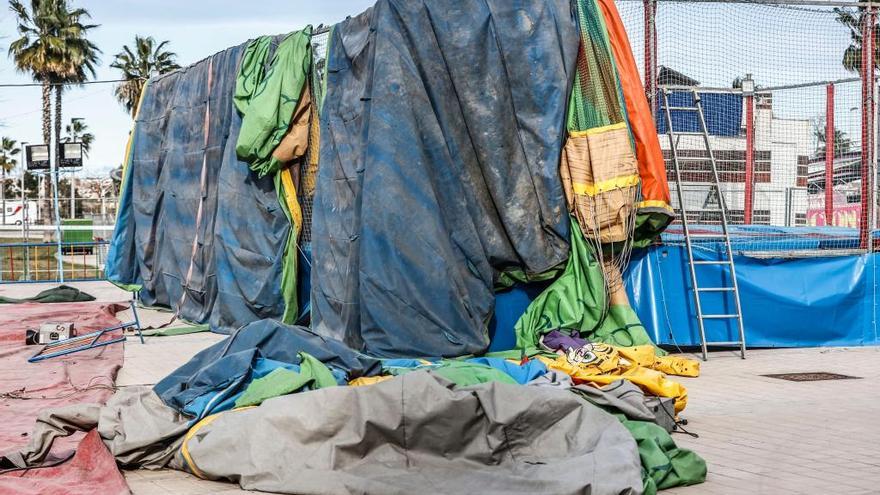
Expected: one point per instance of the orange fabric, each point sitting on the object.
(651, 166)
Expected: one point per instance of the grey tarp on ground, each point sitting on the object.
(232, 273)
(441, 133)
(138, 429)
(417, 433)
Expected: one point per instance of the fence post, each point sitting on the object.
(829, 155)
(867, 75)
(749, 194)
(650, 7)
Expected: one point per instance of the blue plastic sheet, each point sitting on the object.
(819, 301)
(723, 113)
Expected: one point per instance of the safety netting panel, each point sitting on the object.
(306, 193)
(769, 144)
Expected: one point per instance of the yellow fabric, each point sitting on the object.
(368, 380)
(600, 178)
(128, 143)
(598, 130)
(290, 199)
(646, 356)
(184, 448)
(604, 186)
(653, 203)
(602, 364)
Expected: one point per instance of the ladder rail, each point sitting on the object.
(673, 145)
(723, 206)
(725, 233)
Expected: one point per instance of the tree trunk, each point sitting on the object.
(3, 192)
(45, 187)
(58, 90)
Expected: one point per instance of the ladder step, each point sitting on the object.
(720, 317)
(709, 236)
(689, 109)
(719, 262)
(715, 289)
(721, 344)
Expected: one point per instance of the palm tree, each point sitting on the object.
(78, 132)
(842, 142)
(53, 48)
(139, 64)
(8, 149)
(855, 20)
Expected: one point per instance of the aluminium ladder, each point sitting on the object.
(723, 262)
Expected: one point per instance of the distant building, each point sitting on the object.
(782, 154)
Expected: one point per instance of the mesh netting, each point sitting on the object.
(793, 53)
(320, 38)
(595, 98)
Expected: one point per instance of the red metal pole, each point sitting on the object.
(750, 160)
(867, 74)
(829, 155)
(650, 46)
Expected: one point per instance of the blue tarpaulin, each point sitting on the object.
(723, 113)
(786, 302)
(197, 229)
(441, 133)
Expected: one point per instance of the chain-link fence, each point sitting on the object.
(773, 79)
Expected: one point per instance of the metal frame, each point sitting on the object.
(89, 340)
(722, 204)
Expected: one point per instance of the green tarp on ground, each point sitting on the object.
(664, 464)
(577, 300)
(62, 293)
(312, 375)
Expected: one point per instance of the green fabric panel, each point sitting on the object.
(289, 263)
(313, 375)
(281, 381)
(319, 372)
(252, 70)
(664, 464)
(464, 374)
(649, 225)
(62, 293)
(171, 332)
(268, 108)
(509, 278)
(577, 300)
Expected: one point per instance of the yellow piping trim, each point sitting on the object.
(654, 203)
(583, 189)
(290, 198)
(184, 449)
(597, 130)
(128, 143)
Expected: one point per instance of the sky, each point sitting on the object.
(711, 42)
(195, 29)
